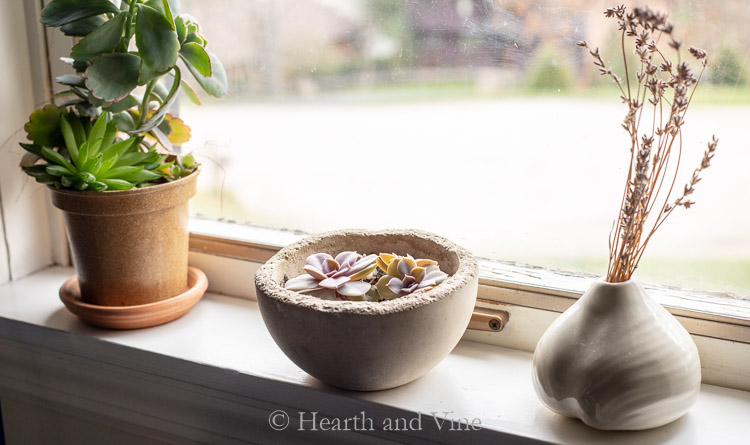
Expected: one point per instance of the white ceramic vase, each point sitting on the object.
(617, 360)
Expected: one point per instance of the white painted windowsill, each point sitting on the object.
(216, 376)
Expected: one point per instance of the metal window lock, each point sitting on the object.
(488, 320)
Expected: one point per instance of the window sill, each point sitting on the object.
(533, 296)
(216, 375)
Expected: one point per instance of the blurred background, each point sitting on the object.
(479, 120)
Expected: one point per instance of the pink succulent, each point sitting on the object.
(335, 278)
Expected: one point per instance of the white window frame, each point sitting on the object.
(230, 254)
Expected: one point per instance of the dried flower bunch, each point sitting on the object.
(354, 277)
(657, 99)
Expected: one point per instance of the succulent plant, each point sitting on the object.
(335, 278)
(134, 44)
(123, 45)
(405, 275)
(94, 159)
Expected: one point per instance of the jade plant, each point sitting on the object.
(126, 69)
(354, 277)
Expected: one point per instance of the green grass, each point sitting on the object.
(730, 276)
(417, 92)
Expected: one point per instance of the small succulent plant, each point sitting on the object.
(128, 63)
(350, 276)
(405, 275)
(93, 159)
(335, 278)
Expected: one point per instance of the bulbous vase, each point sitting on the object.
(617, 360)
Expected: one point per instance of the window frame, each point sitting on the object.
(231, 253)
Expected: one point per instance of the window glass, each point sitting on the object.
(478, 120)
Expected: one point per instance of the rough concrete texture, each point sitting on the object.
(129, 247)
(363, 345)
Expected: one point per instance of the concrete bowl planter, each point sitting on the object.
(361, 345)
(129, 247)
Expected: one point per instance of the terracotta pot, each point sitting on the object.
(363, 345)
(129, 247)
(617, 360)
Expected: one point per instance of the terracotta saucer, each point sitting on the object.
(138, 316)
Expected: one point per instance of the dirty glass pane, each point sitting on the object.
(478, 120)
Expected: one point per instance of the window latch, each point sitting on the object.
(488, 320)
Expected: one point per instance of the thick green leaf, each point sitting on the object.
(103, 40)
(117, 184)
(86, 109)
(161, 92)
(80, 126)
(120, 172)
(194, 37)
(69, 102)
(43, 127)
(100, 126)
(113, 76)
(158, 116)
(82, 27)
(168, 11)
(35, 170)
(190, 93)
(115, 152)
(142, 176)
(79, 92)
(125, 104)
(109, 134)
(98, 186)
(124, 121)
(45, 179)
(87, 177)
(145, 75)
(61, 12)
(75, 80)
(188, 161)
(57, 170)
(83, 155)
(156, 4)
(136, 158)
(56, 158)
(180, 28)
(194, 55)
(216, 85)
(97, 102)
(92, 165)
(167, 8)
(31, 148)
(156, 40)
(69, 134)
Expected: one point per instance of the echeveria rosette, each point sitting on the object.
(335, 278)
(405, 275)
